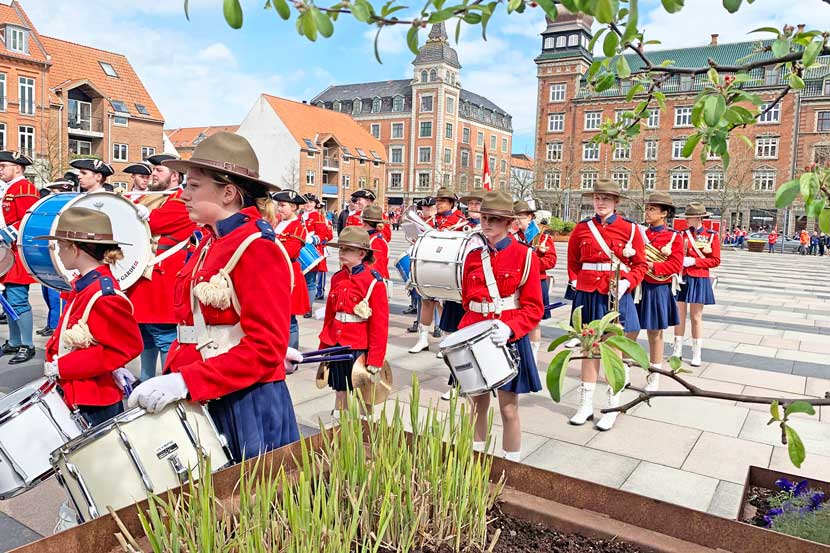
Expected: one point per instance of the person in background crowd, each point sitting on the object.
(804, 242)
(772, 239)
(292, 235)
(362, 199)
(317, 233)
(813, 243)
(93, 174)
(346, 213)
(822, 244)
(141, 177)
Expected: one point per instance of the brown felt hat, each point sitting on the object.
(372, 214)
(521, 206)
(81, 224)
(497, 203)
(472, 196)
(660, 198)
(605, 186)
(446, 193)
(353, 237)
(696, 209)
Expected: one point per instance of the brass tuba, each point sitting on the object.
(656, 256)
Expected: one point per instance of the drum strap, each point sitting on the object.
(604, 245)
(490, 279)
(693, 244)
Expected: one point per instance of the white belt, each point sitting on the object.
(602, 267)
(186, 334)
(344, 317)
(487, 307)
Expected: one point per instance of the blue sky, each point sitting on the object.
(202, 72)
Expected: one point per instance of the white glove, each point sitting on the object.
(143, 212)
(123, 378)
(50, 369)
(688, 261)
(292, 357)
(159, 392)
(501, 333)
(320, 314)
(573, 284)
(374, 373)
(623, 288)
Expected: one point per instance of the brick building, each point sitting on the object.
(433, 131)
(569, 114)
(185, 139)
(60, 100)
(309, 149)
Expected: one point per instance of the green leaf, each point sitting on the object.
(550, 8)
(595, 38)
(795, 447)
(613, 367)
(780, 47)
(412, 39)
(605, 82)
(691, 144)
(606, 320)
(559, 341)
(811, 53)
(281, 6)
(661, 99)
(697, 113)
(309, 26)
(713, 109)
(557, 370)
(576, 319)
(441, 15)
(713, 76)
(472, 18)
(805, 182)
(672, 6)
(786, 193)
(631, 24)
(799, 406)
(623, 70)
(630, 349)
(796, 82)
(675, 363)
(323, 23)
(731, 5)
(360, 11)
(233, 13)
(824, 221)
(765, 30)
(775, 411)
(609, 45)
(605, 11)
(633, 91)
(814, 207)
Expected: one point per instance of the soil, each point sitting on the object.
(759, 500)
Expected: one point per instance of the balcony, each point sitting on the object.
(90, 127)
(330, 189)
(331, 164)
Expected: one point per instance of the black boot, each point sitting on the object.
(411, 310)
(413, 327)
(8, 349)
(24, 353)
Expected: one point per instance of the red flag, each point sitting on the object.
(485, 178)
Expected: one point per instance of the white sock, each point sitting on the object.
(514, 456)
(657, 365)
(479, 446)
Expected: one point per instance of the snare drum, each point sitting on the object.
(40, 257)
(438, 262)
(402, 265)
(477, 363)
(123, 460)
(6, 259)
(34, 421)
(309, 258)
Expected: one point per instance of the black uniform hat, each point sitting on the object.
(158, 159)
(61, 186)
(140, 168)
(10, 156)
(290, 196)
(70, 176)
(426, 202)
(94, 165)
(363, 193)
(311, 198)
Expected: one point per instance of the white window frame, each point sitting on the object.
(3, 140)
(431, 104)
(553, 151)
(493, 142)
(479, 162)
(588, 179)
(680, 179)
(447, 156)
(479, 138)
(448, 130)
(465, 135)
(504, 144)
(120, 120)
(653, 120)
(396, 136)
(771, 117)
(593, 120)
(449, 102)
(557, 92)
(622, 152)
(764, 180)
(465, 158)
(713, 180)
(561, 41)
(15, 35)
(120, 152)
(392, 151)
(309, 177)
(22, 138)
(650, 149)
(79, 143)
(347, 181)
(649, 179)
(4, 96)
(375, 130)
(24, 83)
(766, 147)
(622, 178)
(573, 40)
(590, 151)
(424, 180)
(683, 116)
(147, 151)
(677, 148)
(392, 185)
(428, 151)
(553, 180)
(398, 102)
(556, 122)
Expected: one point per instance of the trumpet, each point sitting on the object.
(614, 289)
(413, 225)
(656, 256)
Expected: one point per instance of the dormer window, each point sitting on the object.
(397, 103)
(16, 39)
(433, 75)
(376, 105)
(560, 41)
(357, 105)
(109, 70)
(423, 76)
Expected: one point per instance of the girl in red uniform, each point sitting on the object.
(97, 333)
(357, 312)
(232, 305)
(510, 261)
(373, 224)
(701, 248)
(292, 235)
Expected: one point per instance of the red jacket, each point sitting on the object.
(583, 248)
(659, 237)
(292, 237)
(508, 262)
(547, 258)
(86, 373)
(20, 196)
(263, 302)
(316, 223)
(354, 220)
(450, 220)
(772, 238)
(153, 299)
(348, 288)
(381, 249)
(709, 260)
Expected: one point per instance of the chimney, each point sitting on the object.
(714, 40)
(305, 102)
(800, 28)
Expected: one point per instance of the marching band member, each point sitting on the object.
(373, 224)
(545, 249)
(362, 199)
(473, 203)
(97, 333)
(357, 312)
(92, 174)
(231, 305)
(701, 248)
(19, 196)
(152, 295)
(426, 210)
(318, 232)
(141, 178)
(292, 235)
(657, 308)
(595, 246)
(326, 235)
(52, 296)
(520, 311)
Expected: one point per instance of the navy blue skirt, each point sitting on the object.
(595, 306)
(696, 290)
(340, 372)
(546, 296)
(657, 308)
(451, 316)
(528, 378)
(255, 420)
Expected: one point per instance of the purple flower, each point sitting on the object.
(770, 516)
(816, 499)
(784, 484)
(800, 488)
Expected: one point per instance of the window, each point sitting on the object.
(396, 180)
(764, 180)
(425, 129)
(347, 181)
(465, 158)
(450, 102)
(553, 151)
(770, 76)
(15, 39)
(309, 178)
(549, 43)
(147, 151)
(396, 154)
(397, 103)
(685, 83)
(426, 103)
(447, 156)
(462, 183)
(120, 106)
(310, 153)
(357, 106)
(479, 161)
(553, 180)
(710, 154)
(492, 142)
(680, 179)
(557, 92)
(821, 154)
(2, 136)
(766, 148)
(477, 182)
(480, 139)
(465, 135)
(26, 140)
(587, 180)
(2, 92)
(424, 76)
(397, 130)
(491, 162)
(361, 182)
(683, 116)
(823, 121)
(593, 119)
(423, 180)
(142, 109)
(649, 179)
(376, 130)
(504, 145)
(573, 40)
(503, 166)
(433, 75)
(590, 151)
(653, 120)
(27, 95)
(772, 116)
(424, 155)
(556, 122)
(109, 70)
(448, 132)
(560, 41)
(621, 178)
(375, 105)
(622, 152)
(447, 180)
(80, 147)
(650, 150)
(120, 152)
(375, 183)
(714, 180)
(120, 121)
(677, 148)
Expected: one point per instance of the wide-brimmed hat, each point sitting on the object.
(605, 186)
(660, 198)
(497, 203)
(81, 224)
(372, 393)
(372, 214)
(363, 193)
(353, 237)
(224, 152)
(289, 196)
(521, 206)
(11, 156)
(94, 165)
(446, 193)
(472, 196)
(139, 168)
(696, 209)
(158, 159)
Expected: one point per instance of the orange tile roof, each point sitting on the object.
(72, 62)
(307, 121)
(184, 137)
(523, 161)
(14, 14)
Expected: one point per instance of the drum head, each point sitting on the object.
(466, 334)
(6, 260)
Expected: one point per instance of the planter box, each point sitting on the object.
(560, 502)
(758, 246)
(561, 236)
(765, 478)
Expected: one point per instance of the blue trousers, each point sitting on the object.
(21, 330)
(53, 301)
(321, 284)
(95, 414)
(157, 339)
(294, 333)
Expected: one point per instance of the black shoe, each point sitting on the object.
(307, 315)
(4, 320)
(413, 327)
(24, 353)
(8, 349)
(411, 310)
(47, 332)
(436, 333)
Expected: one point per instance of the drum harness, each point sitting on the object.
(676, 279)
(498, 304)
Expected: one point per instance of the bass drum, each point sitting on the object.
(6, 259)
(437, 262)
(40, 257)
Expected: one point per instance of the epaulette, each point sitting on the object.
(266, 230)
(196, 237)
(376, 275)
(107, 286)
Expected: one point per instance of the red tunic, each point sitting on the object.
(547, 259)
(381, 249)
(508, 262)
(659, 237)
(86, 373)
(583, 248)
(708, 261)
(317, 223)
(20, 196)
(450, 220)
(153, 299)
(347, 290)
(292, 236)
(264, 314)
(354, 220)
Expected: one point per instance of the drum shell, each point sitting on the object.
(97, 470)
(437, 263)
(309, 258)
(477, 363)
(402, 264)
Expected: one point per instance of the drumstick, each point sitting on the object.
(555, 305)
(326, 351)
(329, 359)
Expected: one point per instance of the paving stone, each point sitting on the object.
(763, 363)
(817, 370)
(779, 342)
(583, 462)
(804, 356)
(814, 434)
(814, 466)
(672, 485)
(817, 387)
(13, 534)
(697, 413)
(737, 337)
(763, 351)
(752, 377)
(726, 458)
(727, 500)
(647, 440)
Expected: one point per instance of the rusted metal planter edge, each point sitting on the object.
(765, 478)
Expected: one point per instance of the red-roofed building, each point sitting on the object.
(186, 139)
